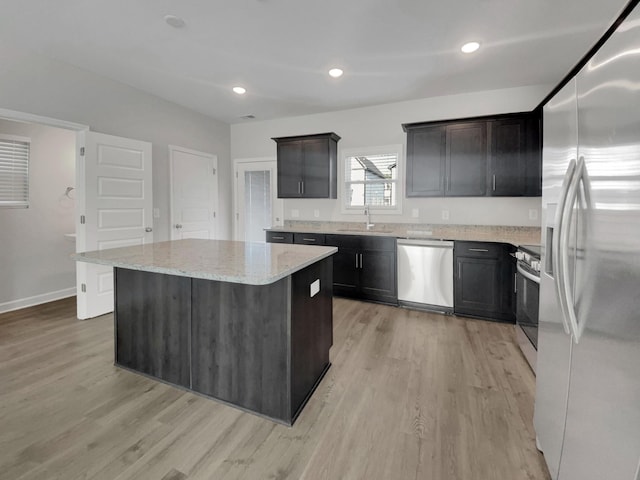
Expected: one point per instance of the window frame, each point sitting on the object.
(363, 152)
(27, 201)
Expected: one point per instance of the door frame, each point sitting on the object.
(278, 204)
(216, 186)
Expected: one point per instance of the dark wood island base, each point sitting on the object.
(262, 348)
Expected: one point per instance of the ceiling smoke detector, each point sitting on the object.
(174, 21)
(247, 117)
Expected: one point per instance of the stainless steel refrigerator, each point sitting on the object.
(587, 410)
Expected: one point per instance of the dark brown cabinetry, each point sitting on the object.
(484, 280)
(515, 162)
(484, 156)
(307, 166)
(364, 267)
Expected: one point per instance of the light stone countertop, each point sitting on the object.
(222, 260)
(478, 233)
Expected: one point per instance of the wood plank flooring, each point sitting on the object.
(410, 395)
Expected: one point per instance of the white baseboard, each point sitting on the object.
(37, 300)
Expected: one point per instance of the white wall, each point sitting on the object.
(34, 254)
(381, 125)
(34, 84)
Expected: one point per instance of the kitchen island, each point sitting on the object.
(249, 324)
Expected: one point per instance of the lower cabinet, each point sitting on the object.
(364, 266)
(484, 280)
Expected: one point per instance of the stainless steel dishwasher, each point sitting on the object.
(425, 274)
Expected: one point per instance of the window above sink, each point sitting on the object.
(370, 177)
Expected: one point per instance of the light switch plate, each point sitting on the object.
(415, 213)
(316, 213)
(445, 214)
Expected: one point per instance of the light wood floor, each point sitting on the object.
(410, 395)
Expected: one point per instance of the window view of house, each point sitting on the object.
(371, 180)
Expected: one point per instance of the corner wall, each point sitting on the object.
(382, 125)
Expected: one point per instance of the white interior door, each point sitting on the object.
(114, 201)
(194, 193)
(256, 203)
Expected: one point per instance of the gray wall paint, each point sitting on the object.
(34, 84)
(34, 254)
(381, 125)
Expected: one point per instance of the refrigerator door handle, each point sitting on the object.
(567, 215)
(556, 252)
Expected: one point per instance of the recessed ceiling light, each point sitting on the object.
(336, 72)
(240, 90)
(470, 47)
(175, 22)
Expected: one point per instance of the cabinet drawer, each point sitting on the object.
(279, 237)
(383, 244)
(478, 249)
(309, 238)
(343, 241)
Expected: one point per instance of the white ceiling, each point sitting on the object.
(281, 50)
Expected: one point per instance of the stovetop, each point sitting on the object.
(533, 250)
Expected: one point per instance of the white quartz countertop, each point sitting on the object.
(222, 260)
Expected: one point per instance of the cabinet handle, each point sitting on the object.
(478, 250)
(515, 282)
(299, 189)
(360, 261)
(277, 238)
(494, 182)
(356, 260)
(302, 187)
(459, 270)
(309, 239)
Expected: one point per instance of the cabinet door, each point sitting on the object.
(508, 157)
(466, 159)
(290, 155)
(426, 162)
(478, 282)
(316, 170)
(378, 276)
(345, 272)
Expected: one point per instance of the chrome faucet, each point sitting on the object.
(367, 212)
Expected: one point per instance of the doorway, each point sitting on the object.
(255, 199)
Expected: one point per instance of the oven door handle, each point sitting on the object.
(527, 275)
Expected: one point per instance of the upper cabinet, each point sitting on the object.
(307, 166)
(485, 156)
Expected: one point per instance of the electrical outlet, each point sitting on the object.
(415, 213)
(533, 214)
(295, 213)
(316, 213)
(445, 214)
(156, 213)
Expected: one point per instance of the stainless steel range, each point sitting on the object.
(527, 303)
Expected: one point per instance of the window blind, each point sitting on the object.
(14, 173)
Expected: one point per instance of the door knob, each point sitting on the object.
(177, 225)
(148, 229)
